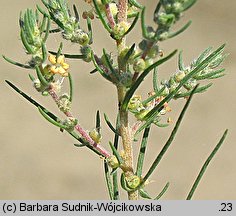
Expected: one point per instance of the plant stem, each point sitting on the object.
(124, 129)
(110, 17)
(82, 132)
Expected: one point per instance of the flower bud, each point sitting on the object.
(179, 76)
(133, 181)
(177, 7)
(165, 92)
(81, 37)
(153, 52)
(139, 65)
(166, 19)
(113, 162)
(37, 84)
(190, 84)
(135, 103)
(87, 52)
(163, 36)
(141, 114)
(120, 29)
(70, 123)
(95, 135)
(45, 93)
(113, 9)
(64, 103)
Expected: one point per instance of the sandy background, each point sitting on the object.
(39, 162)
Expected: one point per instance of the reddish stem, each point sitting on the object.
(82, 132)
(110, 17)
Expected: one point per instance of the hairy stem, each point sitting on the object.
(110, 17)
(125, 129)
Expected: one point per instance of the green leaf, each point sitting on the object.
(198, 90)
(32, 101)
(157, 94)
(210, 74)
(143, 25)
(44, 52)
(59, 50)
(93, 71)
(41, 77)
(76, 12)
(31, 78)
(180, 61)
(56, 123)
(135, 3)
(123, 183)
(173, 34)
(17, 63)
(216, 76)
(128, 54)
(43, 24)
(90, 31)
(98, 121)
(106, 26)
(158, 124)
(142, 152)
(205, 165)
(110, 125)
(51, 115)
(80, 145)
(116, 153)
(27, 46)
(132, 25)
(133, 88)
(188, 4)
(100, 69)
(157, 9)
(71, 56)
(108, 63)
(144, 194)
(203, 55)
(47, 30)
(42, 11)
(115, 176)
(155, 80)
(71, 87)
(151, 115)
(171, 138)
(162, 192)
(27, 28)
(56, 30)
(108, 180)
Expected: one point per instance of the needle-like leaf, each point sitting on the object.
(162, 192)
(171, 138)
(133, 88)
(108, 180)
(17, 63)
(205, 165)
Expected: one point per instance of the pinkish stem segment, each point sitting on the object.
(110, 17)
(82, 132)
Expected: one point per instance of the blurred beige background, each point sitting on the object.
(39, 162)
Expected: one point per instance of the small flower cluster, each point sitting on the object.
(61, 15)
(141, 108)
(207, 71)
(57, 66)
(172, 11)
